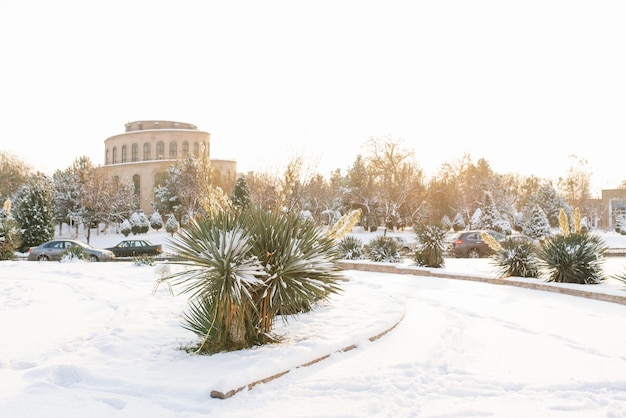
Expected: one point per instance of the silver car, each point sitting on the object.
(54, 250)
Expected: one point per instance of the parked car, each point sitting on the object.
(135, 247)
(470, 244)
(54, 250)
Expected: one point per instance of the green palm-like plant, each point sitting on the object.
(383, 249)
(429, 252)
(573, 258)
(222, 275)
(516, 258)
(300, 262)
(244, 268)
(351, 248)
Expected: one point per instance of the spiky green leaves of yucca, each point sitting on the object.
(244, 268)
(431, 245)
(351, 248)
(516, 258)
(383, 249)
(573, 258)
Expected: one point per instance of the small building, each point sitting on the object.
(144, 152)
(614, 205)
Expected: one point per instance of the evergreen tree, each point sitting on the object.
(458, 224)
(156, 221)
(171, 225)
(475, 222)
(490, 217)
(537, 225)
(241, 194)
(33, 212)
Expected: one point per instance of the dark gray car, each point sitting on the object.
(470, 244)
(54, 250)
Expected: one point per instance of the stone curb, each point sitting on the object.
(225, 395)
(431, 272)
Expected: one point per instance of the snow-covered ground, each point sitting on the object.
(92, 339)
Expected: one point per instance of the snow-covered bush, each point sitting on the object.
(573, 257)
(73, 254)
(156, 221)
(139, 222)
(383, 249)
(516, 258)
(351, 248)
(171, 225)
(245, 268)
(126, 228)
(431, 245)
(537, 226)
(458, 223)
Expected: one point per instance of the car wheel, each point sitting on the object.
(473, 253)
(93, 258)
(43, 258)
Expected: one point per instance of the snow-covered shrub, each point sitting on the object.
(245, 268)
(139, 222)
(73, 254)
(156, 221)
(475, 220)
(351, 248)
(383, 249)
(126, 228)
(537, 226)
(143, 260)
(516, 258)
(573, 257)
(458, 224)
(446, 222)
(431, 245)
(171, 225)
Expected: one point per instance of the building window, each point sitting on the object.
(185, 149)
(114, 155)
(160, 150)
(146, 152)
(196, 149)
(106, 158)
(137, 184)
(124, 153)
(134, 153)
(173, 149)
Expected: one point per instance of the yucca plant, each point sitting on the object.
(431, 245)
(351, 248)
(383, 249)
(516, 258)
(300, 262)
(73, 253)
(244, 268)
(573, 257)
(222, 274)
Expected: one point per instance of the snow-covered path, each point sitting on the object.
(467, 349)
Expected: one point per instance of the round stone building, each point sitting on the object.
(143, 153)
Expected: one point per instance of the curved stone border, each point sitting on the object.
(224, 395)
(562, 288)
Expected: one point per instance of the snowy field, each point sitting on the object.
(92, 339)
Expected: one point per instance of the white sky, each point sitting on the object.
(521, 84)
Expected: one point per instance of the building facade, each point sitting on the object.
(144, 152)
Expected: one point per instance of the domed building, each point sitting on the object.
(143, 153)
